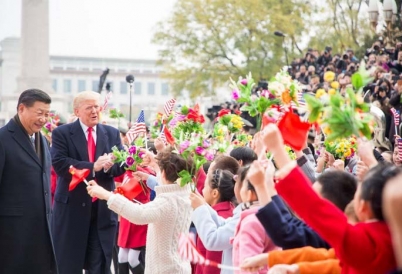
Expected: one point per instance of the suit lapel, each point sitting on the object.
(101, 141)
(22, 139)
(79, 140)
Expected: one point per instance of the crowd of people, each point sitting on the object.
(249, 212)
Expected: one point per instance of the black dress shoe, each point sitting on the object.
(139, 269)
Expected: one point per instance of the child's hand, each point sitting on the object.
(258, 145)
(339, 165)
(94, 190)
(365, 152)
(361, 170)
(256, 174)
(284, 269)
(272, 138)
(159, 144)
(141, 175)
(148, 157)
(255, 263)
(196, 200)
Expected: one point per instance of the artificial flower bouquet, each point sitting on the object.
(51, 124)
(342, 149)
(132, 159)
(201, 151)
(283, 91)
(342, 116)
(187, 121)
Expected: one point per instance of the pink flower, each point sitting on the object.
(130, 161)
(235, 94)
(132, 150)
(184, 146)
(48, 126)
(209, 156)
(200, 150)
(206, 144)
(141, 154)
(243, 82)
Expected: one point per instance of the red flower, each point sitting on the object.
(223, 112)
(194, 114)
(238, 112)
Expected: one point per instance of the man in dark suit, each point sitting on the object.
(84, 230)
(25, 238)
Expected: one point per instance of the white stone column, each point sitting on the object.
(35, 46)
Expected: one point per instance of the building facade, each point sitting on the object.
(70, 75)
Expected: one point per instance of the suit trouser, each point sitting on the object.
(95, 258)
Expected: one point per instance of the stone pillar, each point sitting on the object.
(35, 46)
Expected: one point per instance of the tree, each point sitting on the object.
(205, 42)
(342, 25)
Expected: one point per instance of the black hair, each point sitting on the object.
(338, 187)
(226, 163)
(242, 176)
(30, 96)
(206, 166)
(246, 154)
(373, 186)
(224, 182)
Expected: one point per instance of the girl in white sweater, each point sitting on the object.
(168, 215)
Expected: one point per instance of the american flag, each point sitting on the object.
(302, 103)
(188, 251)
(107, 98)
(138, 128)
(396, 115)
(168, 107)
(399, 148)
(162, 135)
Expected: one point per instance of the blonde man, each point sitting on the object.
(84, 229)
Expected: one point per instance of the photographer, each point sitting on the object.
(325, 58)
(377, 48)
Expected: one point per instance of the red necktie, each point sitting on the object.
(91, 146)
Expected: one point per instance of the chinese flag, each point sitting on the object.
(168, 135)
(78, 176)
(294, 131)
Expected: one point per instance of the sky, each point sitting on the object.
(95, 28)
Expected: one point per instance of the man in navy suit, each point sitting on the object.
(84, 230)
(25, 205)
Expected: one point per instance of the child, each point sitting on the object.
(213, 230)
(168, 215)
(362, 248)
(250, 238)
(218, 192)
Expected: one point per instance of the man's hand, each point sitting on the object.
(94, 190)
(255, 263)
(102, 162)
(196, 200)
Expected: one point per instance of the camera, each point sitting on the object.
(376, 48)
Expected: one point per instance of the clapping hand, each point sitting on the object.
(103, 162)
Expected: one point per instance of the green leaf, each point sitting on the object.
(357, 80)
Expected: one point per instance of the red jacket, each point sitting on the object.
(364, 248)
(201, 176)
(132, 235)
(225, 210)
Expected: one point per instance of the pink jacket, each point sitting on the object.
(250, 239)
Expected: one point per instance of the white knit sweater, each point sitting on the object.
(168, 215)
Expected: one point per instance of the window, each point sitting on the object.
(54, 84)
(151, 88)
(67, 86)
(81, 85)
(95, 85)
(137, 87)
(123, 87)
(165, 89)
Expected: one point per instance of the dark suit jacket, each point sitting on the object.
(25, 239)
(72, 210)
(285, 230)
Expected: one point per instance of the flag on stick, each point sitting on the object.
(168, 107)
(138, 128)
